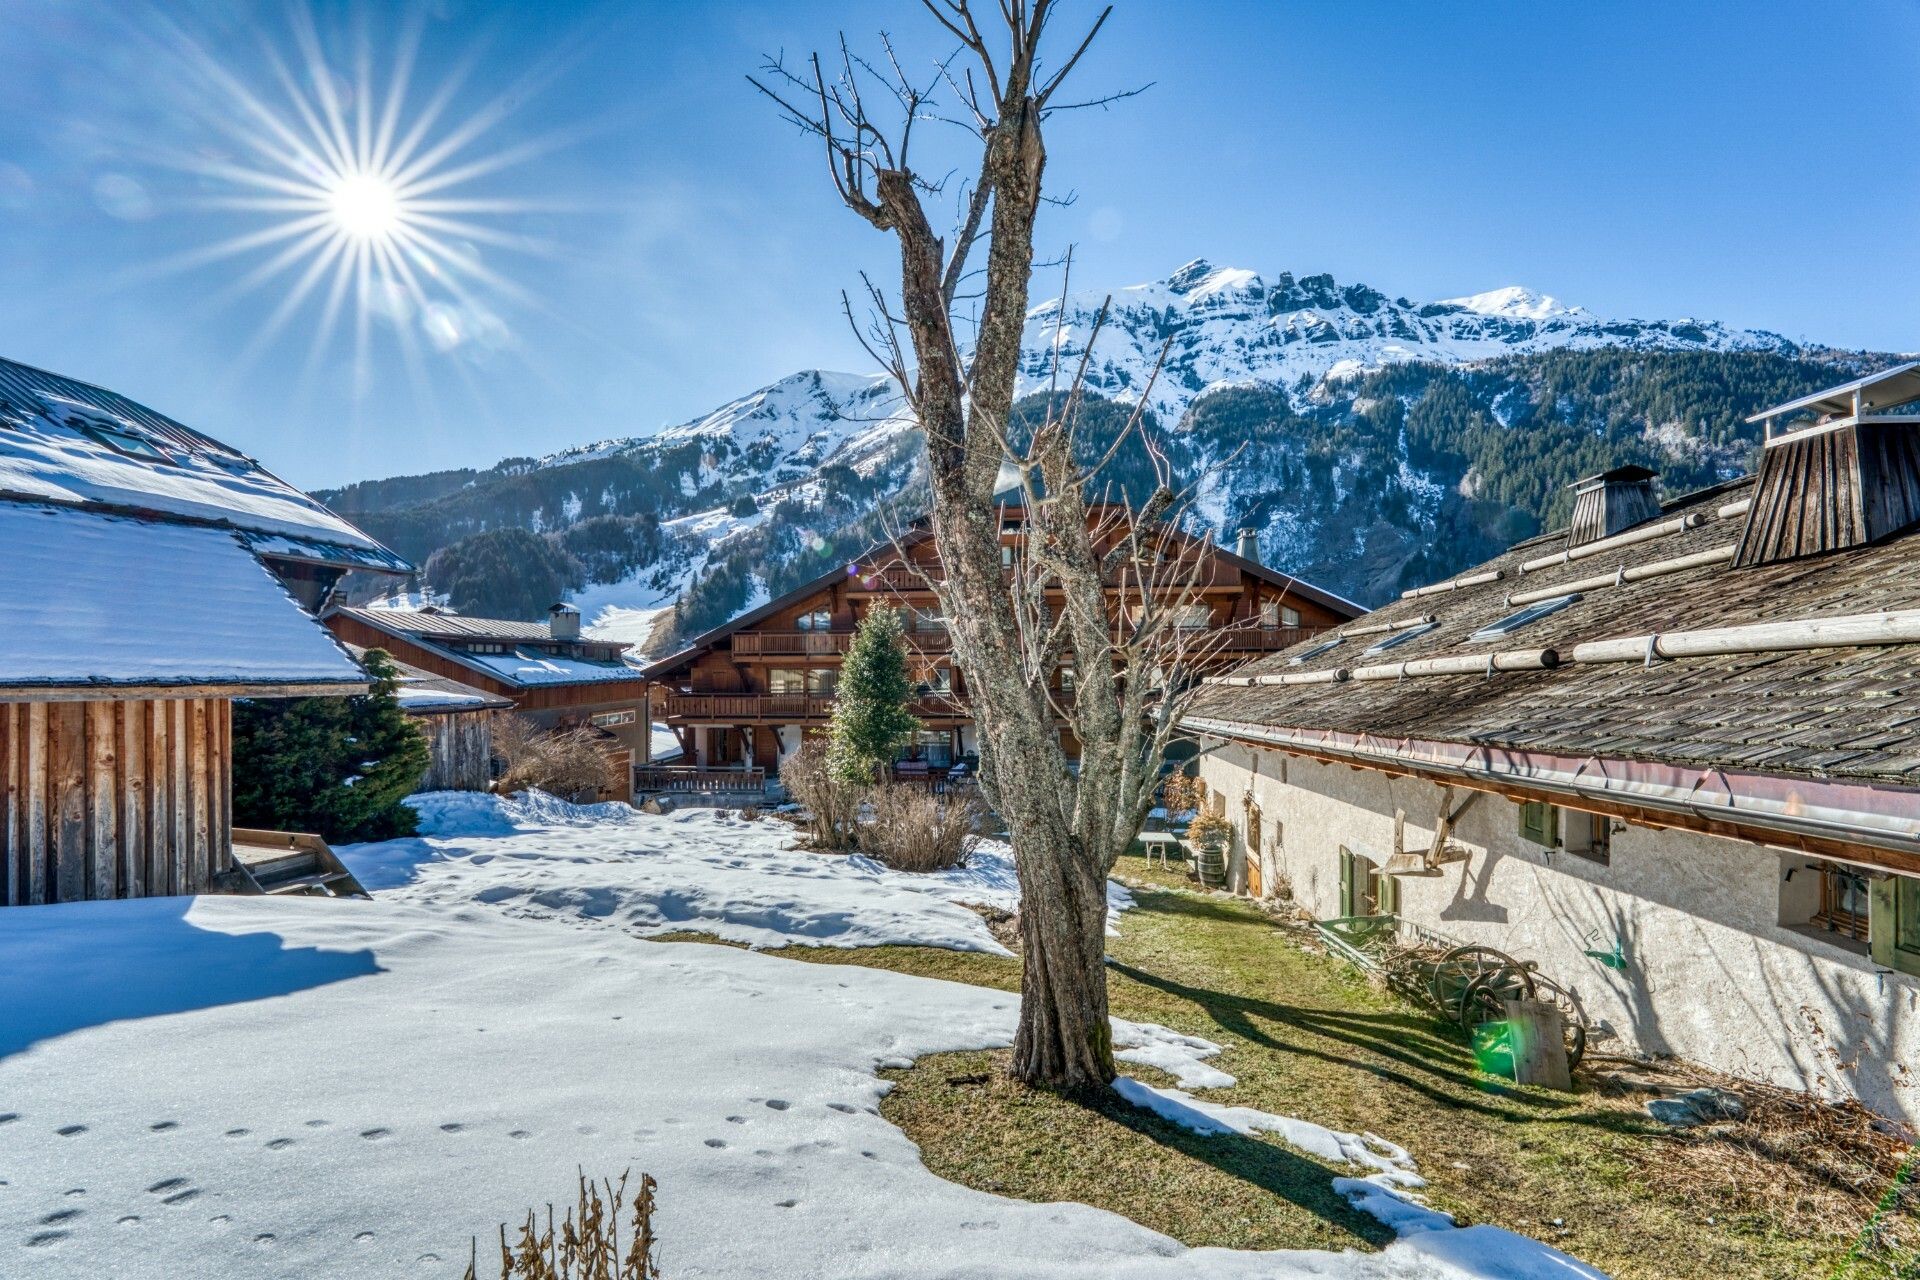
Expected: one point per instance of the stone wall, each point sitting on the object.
(1711, 974)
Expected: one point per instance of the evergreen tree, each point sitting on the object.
(336, 766)
(871, 722)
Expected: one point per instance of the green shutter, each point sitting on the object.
(1349, 888)
(1389, 895)
(1540, 823)
(1880, 910)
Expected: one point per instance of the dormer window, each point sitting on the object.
(119, 439)
(1400, 637)
(1514, 621)
(1320, 650)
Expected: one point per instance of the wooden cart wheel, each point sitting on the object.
(1457, 970)
(1485, 998)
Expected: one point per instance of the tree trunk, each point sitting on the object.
(1064, 1040)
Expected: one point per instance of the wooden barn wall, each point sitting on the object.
(460, 748)
(114, 799)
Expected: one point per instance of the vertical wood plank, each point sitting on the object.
(133, 799)
(103, 801)
(159, 801)
(221, 781)
(179, 857)
(69, 781)
(11, 843)
(197, 788)
(36, 767)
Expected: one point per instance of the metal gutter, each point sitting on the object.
(1872, 814)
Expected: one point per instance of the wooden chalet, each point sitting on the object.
(1670, 756)
(741, 697)
(548, 672)
(150, 576)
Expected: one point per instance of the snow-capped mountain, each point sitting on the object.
(1368, 436)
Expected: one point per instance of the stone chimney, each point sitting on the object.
(563, 620)
(1248, 546)
(1611, 502)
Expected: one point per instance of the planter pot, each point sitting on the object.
(1210, 861)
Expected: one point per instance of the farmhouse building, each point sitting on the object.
(1671, 755)
(742, 696)
(457, 721)
(149, 575)
(548, 672)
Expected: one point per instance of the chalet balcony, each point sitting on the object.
(810, 644)
(781, 708)
(1166, 578)
(691, 780)
(1242, 639)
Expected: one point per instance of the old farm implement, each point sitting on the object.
(1466, 985)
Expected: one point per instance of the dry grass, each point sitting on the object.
(569, 763)
(586, 1243)
(832, 804)
(909, 828)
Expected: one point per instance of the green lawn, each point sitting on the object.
(1307, 1036)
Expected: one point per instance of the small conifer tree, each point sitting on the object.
(871, 722)
(336, 766)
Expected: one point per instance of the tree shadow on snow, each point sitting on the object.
(86, 964)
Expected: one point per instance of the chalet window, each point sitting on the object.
(928, 620)
(1066, 679)
(1395, 639)
(821, 681)
(1006, 555)
(614, 719)
(1320, 650)
(1193, 617)
(786, 680)
(1514, 621)
(935, 680)
(1270, 616)
(816, 620)
(1845, 903)
(1586, 835)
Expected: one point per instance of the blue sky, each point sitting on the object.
(654, 242)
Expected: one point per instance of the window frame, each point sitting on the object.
(1522, 618)
(1394, 639)
(1320, 650)
(613, 719)
(110, 435)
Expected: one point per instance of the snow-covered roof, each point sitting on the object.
(89, 600)
(528, 667)
(533, 658)
(70, 442)
(425, 693)
(435, 624)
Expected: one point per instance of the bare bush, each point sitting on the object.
(911, 829)
(571, 763)
(1181, 794)
(586, 1244)
(832, 803)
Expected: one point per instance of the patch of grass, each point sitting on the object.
(1307, 1036)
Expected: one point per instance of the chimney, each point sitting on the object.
(1612, 501)
(1841, 468)
(1248, 546)
(563, 620)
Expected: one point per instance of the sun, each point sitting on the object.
(365, 206)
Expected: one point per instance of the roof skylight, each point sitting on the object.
(1514, 621)
(1400, 637)
(1324, 647)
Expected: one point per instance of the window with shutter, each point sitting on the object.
(1539, 823)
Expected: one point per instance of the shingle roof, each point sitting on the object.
(53, 448)
(94, 601)
(1840, 713)
(425, 624)
(534, 659)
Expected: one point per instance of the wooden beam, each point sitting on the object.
(37, 821)
(133, 799)
(68, 723)
(103, 800)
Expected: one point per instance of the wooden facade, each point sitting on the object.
(121, 798)
(741, 697)
(459, 750)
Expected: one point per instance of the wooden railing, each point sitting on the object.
(800, 644)
(1243, 639)
(688, 778)
(731, 708)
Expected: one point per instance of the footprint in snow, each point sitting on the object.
(318, 1124)
(785, 1204)
(520, 1134)
(166, 1184)
(264, 1239)
(130, 1220)
(452, 1126)
(71, 1130)
(238, 1133)
(841, 1107)
(45, 1238)
(164, 1126)
(736, 1119)
(778, 1104)
(363, 1238)
(374, 1135)
(59, 1215)
(181, 1197)
(280, 1144)
(8, 1117)
(716, 1143)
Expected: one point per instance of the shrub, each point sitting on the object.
(1181, 794)
(571, 763)
(1210, 829)
(832, 803)
(587, 1244)
(336, 766)
(911, 829)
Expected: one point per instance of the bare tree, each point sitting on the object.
(1107, 584)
